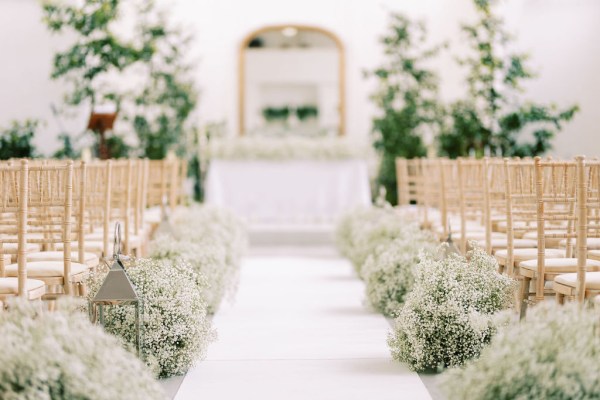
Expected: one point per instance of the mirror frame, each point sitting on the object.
(242, 71)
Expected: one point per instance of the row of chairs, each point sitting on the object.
(57, 218)
(540, 218)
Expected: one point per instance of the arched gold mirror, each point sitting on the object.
(291, 82)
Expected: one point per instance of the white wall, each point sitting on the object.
(562, 36)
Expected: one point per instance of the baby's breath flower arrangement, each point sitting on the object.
(176, 330)
(553, 354)
(389, 272)
(60, 355)
(208, 257)
(196, 223)
(360, 233)
(448, 317)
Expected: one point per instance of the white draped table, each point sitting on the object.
(288, 192)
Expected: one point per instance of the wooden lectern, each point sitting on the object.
(100, 123)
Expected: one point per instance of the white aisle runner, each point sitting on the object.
(298, 330)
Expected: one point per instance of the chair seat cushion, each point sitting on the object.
(592, 243)
(12, 247)
(559, 264)
(501, 243)
(91, 259)
(10, 286)
(91, 246)
(550, 242)
(592, 280)
(527, 254)
(46, 269)
(594, 254)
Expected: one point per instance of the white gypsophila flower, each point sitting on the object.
(361, 232)
(208, 257)
(389, 271)
(449, 316)
(213, 226)
(176, 328)
(553, 354)
(60, 355)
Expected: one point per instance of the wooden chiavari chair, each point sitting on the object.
(521, 211)
(13, 231)
(402, 183)
(50, 215)
(81, 191)
(585, 282)
(471, 180)
(431, 186)
(495, 208)
(557, 196)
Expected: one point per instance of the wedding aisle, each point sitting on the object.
(298, 330)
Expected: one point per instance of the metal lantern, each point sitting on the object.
(450, 247)
(117, 291)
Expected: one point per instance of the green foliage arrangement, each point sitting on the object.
(389, 272)
(553, 354)
(67, 150)
(305, 112)
(60, 355)
(161, 116)
(407, 96)
(276, 113)
(493, 117)
(176, 328)
(448, 317)
(159, 108)
(16, 140)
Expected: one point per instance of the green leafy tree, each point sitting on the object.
(67, 150)
(99, 59)
(164, 105)
(493, 116)
(407, 96)
(16, 140)
(97, 55)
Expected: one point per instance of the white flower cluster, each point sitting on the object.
(176, 328)
(213, 241)
(554, 354)
(288, 148)
(449, 316)
(61, 355)
(362, 231)
(389, 272)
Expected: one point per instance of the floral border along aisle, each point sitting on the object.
(61, 355)
(553, 354)
(449, 316)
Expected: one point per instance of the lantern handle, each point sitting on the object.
(117, 244)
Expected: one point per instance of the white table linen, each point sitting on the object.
(288, 192)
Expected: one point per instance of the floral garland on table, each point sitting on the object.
(553, 354)
(447, 319)
(289, 148)
(176, 329)
(61, 355)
